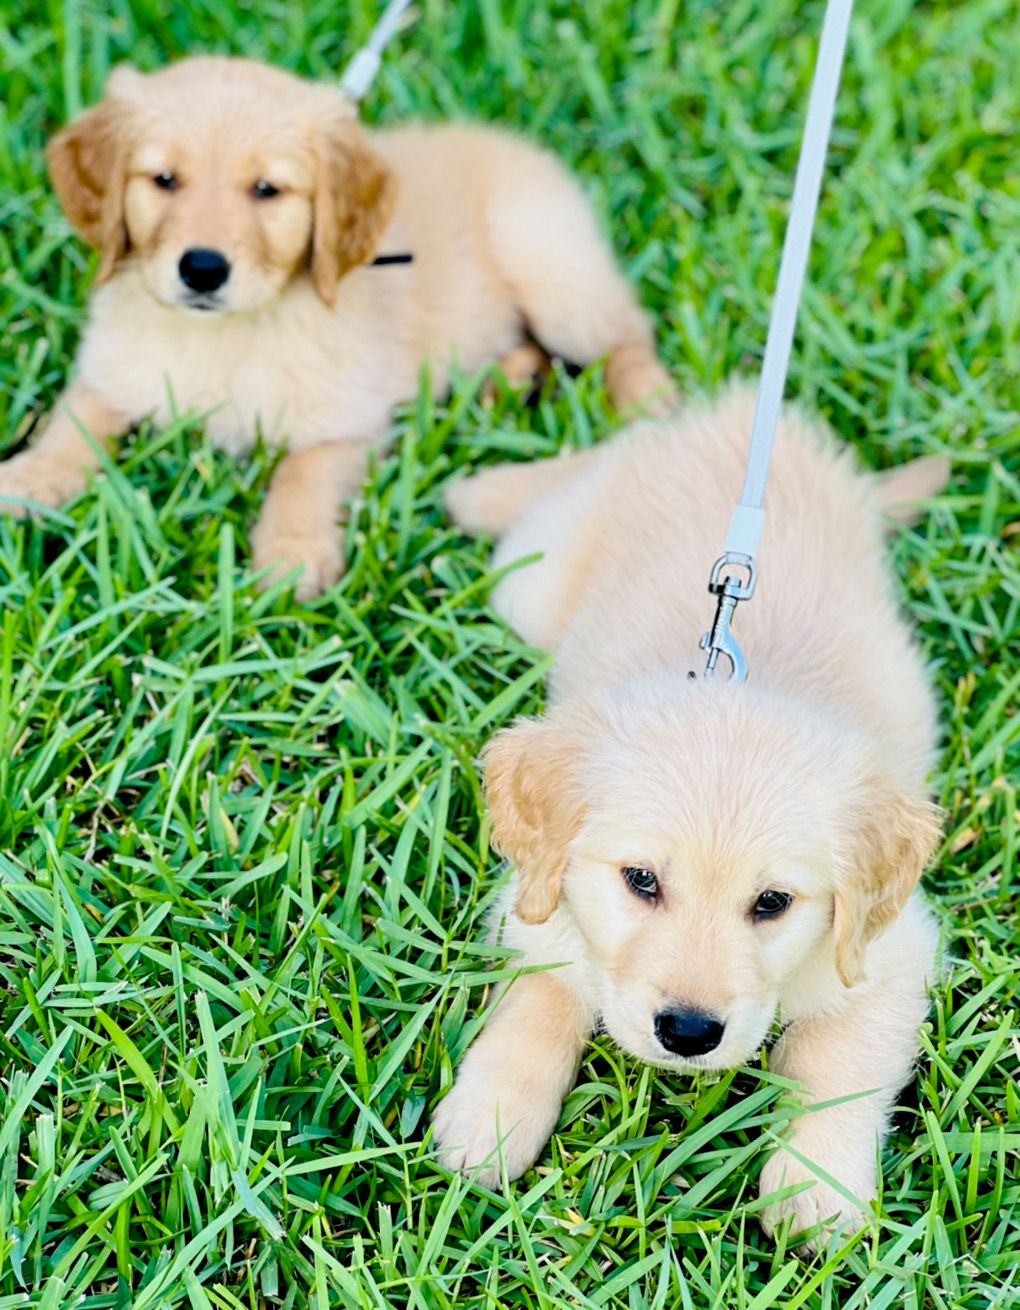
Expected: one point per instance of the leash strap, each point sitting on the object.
(360, 73)
(748, 517)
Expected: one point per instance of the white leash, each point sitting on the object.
(748, 518)
(360, 73)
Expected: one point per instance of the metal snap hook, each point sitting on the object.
(719, 640)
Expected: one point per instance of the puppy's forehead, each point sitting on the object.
(726, 786)
(202, 135)
(213, 75)
(233, 97)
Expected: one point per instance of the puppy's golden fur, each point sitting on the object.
(305, 339)
(808, 780)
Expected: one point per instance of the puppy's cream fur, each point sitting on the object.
(306, 340)
(809, 779)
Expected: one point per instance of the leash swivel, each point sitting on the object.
(730, 591)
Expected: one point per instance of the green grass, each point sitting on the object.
(244, 856)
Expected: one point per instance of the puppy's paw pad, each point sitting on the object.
(818, 1206)
(320, 559)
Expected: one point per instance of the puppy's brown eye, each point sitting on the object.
(642, 882)
(263, 190)
(770, 905)
(166, 181)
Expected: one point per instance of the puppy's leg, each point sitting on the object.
(512, 1082)
(490, 501)
(562, 275)
(868, 1046)
(636, 380)
(298, 525)
(56, 466)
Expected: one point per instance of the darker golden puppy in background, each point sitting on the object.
(698, 858)
(238, 211)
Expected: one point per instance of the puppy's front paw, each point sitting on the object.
(487, 503)
(479, 1115)
(817, 1206)
(31, 476)
(639, 386)
(474, 503)
(319, 555)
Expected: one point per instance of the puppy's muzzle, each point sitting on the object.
(203, 271)
(688, 1032)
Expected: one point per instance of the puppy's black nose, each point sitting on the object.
(203, 270)
(688, 1032)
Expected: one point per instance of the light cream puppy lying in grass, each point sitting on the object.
(238, 210)
(706, 857)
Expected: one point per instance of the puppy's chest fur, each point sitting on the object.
(296, 372)
(300, 371)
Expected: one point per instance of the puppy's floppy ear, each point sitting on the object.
(88, 165)
(536, 807)
(895, 835)
(355, 194)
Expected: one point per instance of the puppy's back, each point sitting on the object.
(647, 524)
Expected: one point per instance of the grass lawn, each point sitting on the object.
(243, 855)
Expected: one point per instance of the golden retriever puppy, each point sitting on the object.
(695, 859)
(239, 211)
